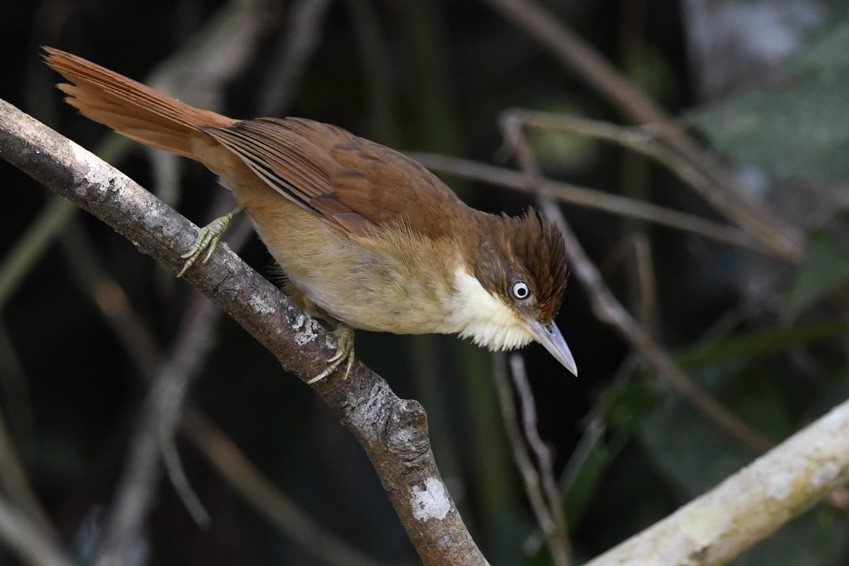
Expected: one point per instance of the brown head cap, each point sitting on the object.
(526, 248)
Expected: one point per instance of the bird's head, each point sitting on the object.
(510, 289)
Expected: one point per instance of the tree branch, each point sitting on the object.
(592, 199)
(392, 431)
(280, 510)
(27, 539)
(607, 307)
(750, 505)
(587, 63)
(745, 508)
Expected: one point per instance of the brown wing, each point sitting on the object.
(350, 182)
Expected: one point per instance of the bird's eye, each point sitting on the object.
(521, 290)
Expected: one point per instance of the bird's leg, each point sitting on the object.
(343, 333)
(344, 353)
(207, 240)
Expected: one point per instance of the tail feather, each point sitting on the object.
(129, 107)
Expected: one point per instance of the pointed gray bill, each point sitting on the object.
(550, 337)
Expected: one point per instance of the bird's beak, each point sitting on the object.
(550, 337)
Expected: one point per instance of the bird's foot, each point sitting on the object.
(207, 240)
(344, 352)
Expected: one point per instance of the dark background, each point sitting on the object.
(766, 337)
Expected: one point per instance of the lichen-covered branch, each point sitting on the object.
(750, 505)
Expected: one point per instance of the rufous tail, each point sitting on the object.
(129, 107)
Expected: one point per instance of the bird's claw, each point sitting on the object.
(344, 351)
(206, 241)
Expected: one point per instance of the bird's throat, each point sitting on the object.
(483, 317)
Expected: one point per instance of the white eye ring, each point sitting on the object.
(520, 290)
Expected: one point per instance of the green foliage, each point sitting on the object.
(823, 271)
(770, 341)
(623, 406)
(798, 128)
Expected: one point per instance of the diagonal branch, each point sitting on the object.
(607, 308)
(581, 58)
(590, 198)
(220, 451)
(281, 511)
(750, 505)
(27, 538)
(392, 431)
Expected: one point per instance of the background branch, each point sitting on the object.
(609, 82)
(553, 527)
(28, 539)
(16, 485)
(592, 199)
(154, 431)
(223, 454)
(608, 309)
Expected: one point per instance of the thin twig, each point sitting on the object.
(27, 539)
(521, 456)
(198, 334)
(592, 440)
(159, 417)
(16, 397)
(169, 387)
(291, 54)
(592, 199)
(607, 308)
(644, 140)
(375, 63)
(30, 247)
(639, 246)
(201, 70)
(577, 55)
(557, 535)
(226, 458)
(647, 282)
(16, 485)
(111, 299)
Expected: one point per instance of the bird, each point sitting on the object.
(367, 238)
